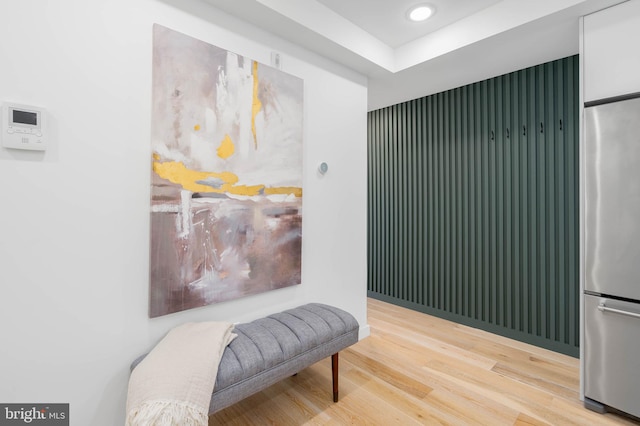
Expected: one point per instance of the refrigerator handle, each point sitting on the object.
(603, 308)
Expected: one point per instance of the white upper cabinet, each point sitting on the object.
(612, 51)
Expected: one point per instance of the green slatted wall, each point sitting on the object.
(473, 202)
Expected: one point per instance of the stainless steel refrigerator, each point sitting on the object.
(612, 255)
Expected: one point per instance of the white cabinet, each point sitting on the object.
(611, 51)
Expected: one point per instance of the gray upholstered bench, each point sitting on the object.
(270, 349)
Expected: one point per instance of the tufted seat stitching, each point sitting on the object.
(253, 377)
(325, 321)
(274, 338)
(287, 325)
(239, 333)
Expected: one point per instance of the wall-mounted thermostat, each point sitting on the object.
(24, 127)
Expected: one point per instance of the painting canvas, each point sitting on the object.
(226, 185)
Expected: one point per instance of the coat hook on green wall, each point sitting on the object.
(524, 130)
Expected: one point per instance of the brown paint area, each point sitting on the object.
(232, 248)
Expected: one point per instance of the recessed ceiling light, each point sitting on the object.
(420, 12)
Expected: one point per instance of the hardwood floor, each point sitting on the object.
(418, 369)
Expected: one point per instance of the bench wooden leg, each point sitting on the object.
(334, 370)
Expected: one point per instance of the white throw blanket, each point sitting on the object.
(173, 383)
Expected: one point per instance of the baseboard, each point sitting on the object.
(365, 331)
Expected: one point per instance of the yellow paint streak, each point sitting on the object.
(176, 172)
(226, 148)
(246, 190)
(297, 191)
(256, 106)
(196, 127)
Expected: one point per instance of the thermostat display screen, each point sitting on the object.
(25, 117)
(23, 127)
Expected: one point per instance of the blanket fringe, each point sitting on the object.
(167, 413)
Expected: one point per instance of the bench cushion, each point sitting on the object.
(272, 348)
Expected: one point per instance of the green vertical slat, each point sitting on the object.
(524, 197)
(402, 194)
(376, 239)
(499, 219)
(551, 220)
(459, 194)
(560, 202)
(432, 202)
(439, 217)
(395, 212)
(389, 202)
(479, 248)
(448, 147)
(373, 192)
(383, 194)
(491, 200)
(391, 211)
(486, 208)
(572, 195)
(386, 212)
(412, 263)
(532, 236)
(374, 208)
(419, 242)
(421, 213)
(507, 312)
(448, 285)
(464, 202)
(515, 197)
(541, 200)
(380, 250)
(408, 202)
(472, 183)
(411, 246)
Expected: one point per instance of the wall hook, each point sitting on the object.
(492, 135)
(541, 127)
(524, 130)
(507, 133)
(560, 124)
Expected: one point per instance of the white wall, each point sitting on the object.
(74, 222)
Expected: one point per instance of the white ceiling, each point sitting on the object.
(386, 19)
(465, 41)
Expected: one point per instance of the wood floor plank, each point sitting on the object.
(399, 335)
(422, 370)
(387, 373)
(471, 409)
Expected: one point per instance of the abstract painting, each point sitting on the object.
(226, 184)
